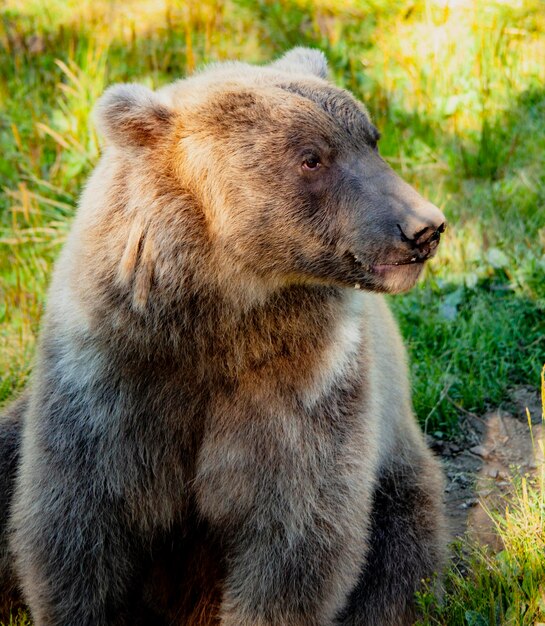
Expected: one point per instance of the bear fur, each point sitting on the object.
(218, 428)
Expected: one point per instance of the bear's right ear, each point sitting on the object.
(302, 60)
(132, 115)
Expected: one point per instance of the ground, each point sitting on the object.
(480, 464)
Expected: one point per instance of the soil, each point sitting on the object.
(479, 467)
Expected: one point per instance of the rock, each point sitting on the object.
(480, 451)
(438, 446)
(469, 503)
(463, 480)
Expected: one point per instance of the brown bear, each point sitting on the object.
(218, 429)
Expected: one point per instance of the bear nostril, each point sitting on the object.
(419, 238)
(428, 236)
(424, 240)
(422, 235)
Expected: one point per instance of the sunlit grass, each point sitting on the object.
(485, 588)
(21, 619)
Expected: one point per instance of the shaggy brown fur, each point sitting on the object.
(10, 443)
(218, 428)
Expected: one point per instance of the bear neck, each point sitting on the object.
(206, 333)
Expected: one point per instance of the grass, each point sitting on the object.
(484, 588)
(457, 90)
(21, 619)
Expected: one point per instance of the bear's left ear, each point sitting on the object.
(132, 115)
(303, 61)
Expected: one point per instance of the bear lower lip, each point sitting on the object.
(384, 267)
(390, 267)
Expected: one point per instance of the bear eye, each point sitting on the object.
(311, 163)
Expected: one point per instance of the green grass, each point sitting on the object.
(21, 619)
(487, 588)
(484, 588)
(457, 90)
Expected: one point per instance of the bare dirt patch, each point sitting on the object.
(480, 466)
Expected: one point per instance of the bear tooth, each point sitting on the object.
(357, 286)
(413, 259)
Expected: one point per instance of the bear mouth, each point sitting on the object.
(373, 275)
(374, 267)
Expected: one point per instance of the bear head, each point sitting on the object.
(283, 171)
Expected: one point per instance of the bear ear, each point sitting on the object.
(132, 115)
(303, 61)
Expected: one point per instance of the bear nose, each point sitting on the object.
(425, 240)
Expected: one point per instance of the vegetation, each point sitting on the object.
(484, 588)
(506, 588)
(457, 89)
